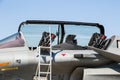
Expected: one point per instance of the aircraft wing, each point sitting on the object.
(112, 53)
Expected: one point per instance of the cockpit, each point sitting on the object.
(59, 34)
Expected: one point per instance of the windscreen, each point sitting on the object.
(34, 33)
(14, 40)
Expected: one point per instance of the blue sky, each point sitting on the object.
(105, 12)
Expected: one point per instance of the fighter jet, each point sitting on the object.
(59, 50)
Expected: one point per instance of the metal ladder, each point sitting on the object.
(47, 73)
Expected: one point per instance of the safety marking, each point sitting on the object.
(9, 69)
(63, 54)
(5, 64)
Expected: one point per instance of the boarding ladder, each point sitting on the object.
(46, 74)
(44, 69)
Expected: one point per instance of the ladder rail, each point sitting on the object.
(39, 63)
(48, 72)
(50, 53)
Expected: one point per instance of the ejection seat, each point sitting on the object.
(69, 44)
(45, 40)
(99, 41)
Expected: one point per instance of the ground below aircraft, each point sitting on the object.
(59, 50)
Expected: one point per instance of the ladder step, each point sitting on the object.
(44, 72)
(40, 78)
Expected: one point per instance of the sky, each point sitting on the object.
(105, 12)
